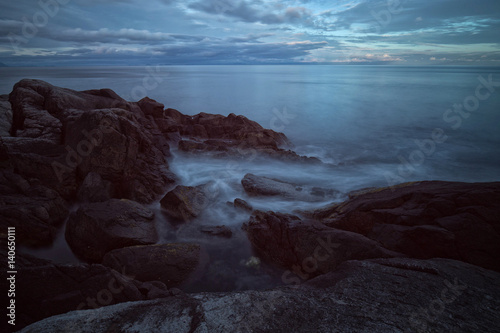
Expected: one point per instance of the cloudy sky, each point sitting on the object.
(169, 32)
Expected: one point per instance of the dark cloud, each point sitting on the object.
(252, 11)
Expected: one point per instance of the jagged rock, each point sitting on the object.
(242, 204)
(45, 289)
(306, 247)
(426, 220)
(97, 228)
(94, 189)
(171, 264)
(379, 296)
(89, 131)
(185, 202)
(220, 230)
(263, 186)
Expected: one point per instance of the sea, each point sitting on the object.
(371, 126)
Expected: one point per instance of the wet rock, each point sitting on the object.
(306, 247)
(263, 186)
(425, 220)
(185, 202)
(243, 205)
(360, 296)
(171, 264)
(220, 230)
(97, 228)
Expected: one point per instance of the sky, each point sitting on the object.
(218, 32)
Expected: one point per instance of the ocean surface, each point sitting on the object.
(371, 125)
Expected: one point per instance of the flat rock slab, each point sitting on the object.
(97, 228)
(169, 263)
(264, 186)
(379, 296)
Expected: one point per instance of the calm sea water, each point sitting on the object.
(371, 125)
(364, 119)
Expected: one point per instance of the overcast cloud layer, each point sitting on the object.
(169, 32)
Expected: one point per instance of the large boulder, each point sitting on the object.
(264, 186)
(89, 131)
(307, 248)
(360, 296)
(185, 202)
(97, 228)
(426, 220)
(45, 289)
(171, 264)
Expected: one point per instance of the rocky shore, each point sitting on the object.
(417, 257)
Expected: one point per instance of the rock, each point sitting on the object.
(389, 295)
(45, 289)
(97, 228)
(185, 202)
(74, 125)
(151, 107)
(220, 230)
(131, 158)
(5, 115)
(94, 189)
(219, 136)
(34, 210)
(308, 248)
(243, 205)
(39, 160)
(171, 264)
(426, 220)
(263, 186)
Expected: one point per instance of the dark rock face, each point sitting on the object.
(426, 220)
(58, 145)
(94, 131)
(220, 230)
(217, 127)
(5, 115)
(219, 136)
(307, 248)
(94, 189)
(383, 295)
(263, 186)
(98, 228)
(45, 289)
(36, 211)
(185, 202)
(169, 263)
